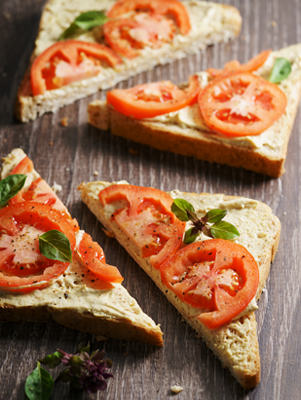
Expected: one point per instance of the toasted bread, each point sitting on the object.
(265, 153)
(211, 23)
(235, 343)
(76, 300)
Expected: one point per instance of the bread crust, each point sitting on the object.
(244, 363)
(29, 108)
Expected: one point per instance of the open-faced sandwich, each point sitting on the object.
(210, 255)
(52, 269)
(240, 116)
(84, 46)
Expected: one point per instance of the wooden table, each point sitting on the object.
(70, 155)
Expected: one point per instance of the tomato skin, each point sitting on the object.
(168, 98)
(200, 275)
(25, 166)
(44, 218)
(68, 51)
(159, 7)
(263, 103)
(93, 258)
(235, 66)
(147, 218)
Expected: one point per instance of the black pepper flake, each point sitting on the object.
(93, 280)
(209, 254)
(66, 295)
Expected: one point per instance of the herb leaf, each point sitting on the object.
(55, 246)
(39, 384)
(281, 70)
(52, 360)
(10, 186)
(190, 236)
(224, 230)
(179, 207)
(85, 21)
(215, 215)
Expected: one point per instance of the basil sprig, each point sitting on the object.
(10, 186)
(85, 22)
(39, 384)
(281, 70)
(55, 245)
(218, 230)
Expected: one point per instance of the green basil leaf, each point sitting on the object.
(52, 360)
(10, 186)
(55, 246)
(179, 207)
(83, 347)
(39, 384)
(215, 215)
(224, 230)
(85, 21)
(75, 361)
(281, 70)
(189, 237)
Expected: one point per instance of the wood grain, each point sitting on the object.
(70, 155)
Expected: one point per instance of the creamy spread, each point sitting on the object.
(272, 139)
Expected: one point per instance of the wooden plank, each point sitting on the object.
(69, 155)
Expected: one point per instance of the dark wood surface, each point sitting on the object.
(70, 155)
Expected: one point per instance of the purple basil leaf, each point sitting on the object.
(189, 237)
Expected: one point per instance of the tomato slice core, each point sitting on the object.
(93, 258)
(215, 275)
(22, 267)
(152, 99)
(241, 104)
(144, 215)
(67, 62)
(157, 7)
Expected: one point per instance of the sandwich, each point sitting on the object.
(208, 278)
(82, 47)
(241, 116)
(50, 269)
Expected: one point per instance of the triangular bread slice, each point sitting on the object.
(211, 23)
(235, 343)
(184, 132)
(75, 300)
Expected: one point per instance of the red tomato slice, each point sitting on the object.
(25, 166)
(22, 267)
(128, 36)
(158, 7)
(241, 104)
(152, 99)
(235, 66)
(67, 62)
(146, 218)
(216, 275)
(93, 258)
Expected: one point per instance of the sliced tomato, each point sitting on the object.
(128, 36)
(67, 62)
(145, 216)
(241, 104)
(215, 275)
(172, 8)
(22, 267)
(152, 99)
(25, 166)
(93, 258)
(235, 66)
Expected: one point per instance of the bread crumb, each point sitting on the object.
(274, 24)
(108, 233)
(176, 389)
(95, 173)
(101, 338)
(7, 16)
(132, 151)
(64, 121)
(284, 213)
(4, 140)
(56, 187)
(50, 143)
